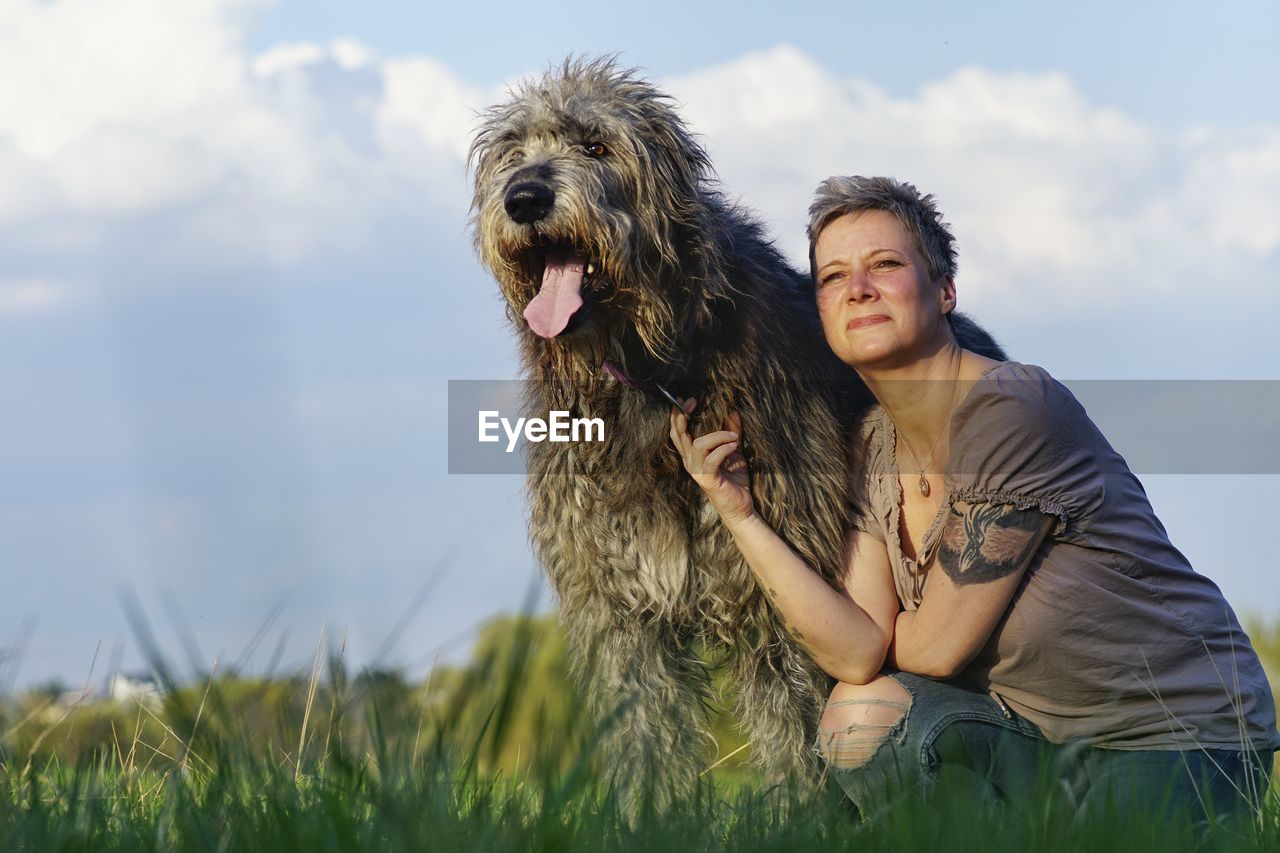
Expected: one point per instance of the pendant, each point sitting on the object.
(924, 486)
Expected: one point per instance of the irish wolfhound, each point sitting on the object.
(630, 278)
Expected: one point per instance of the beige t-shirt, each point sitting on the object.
(1111, 637)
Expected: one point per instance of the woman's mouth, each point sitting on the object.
(859, 322)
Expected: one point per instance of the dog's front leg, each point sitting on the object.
(649, 690)
(781, 693)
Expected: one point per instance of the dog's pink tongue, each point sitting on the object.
(560, 295)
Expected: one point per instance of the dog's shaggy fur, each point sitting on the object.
(592, 162)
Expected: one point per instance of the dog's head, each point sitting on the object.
(588, 189)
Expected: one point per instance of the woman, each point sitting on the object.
(1009, 589)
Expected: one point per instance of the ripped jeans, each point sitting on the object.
(949, 732)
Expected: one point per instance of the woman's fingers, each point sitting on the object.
(680, 423)
(716, 463)
(714, 439)
(706, 453)
(716, 458)
(707, 459)
(686, 441)
(679, 428)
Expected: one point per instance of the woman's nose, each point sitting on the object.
(858, 288)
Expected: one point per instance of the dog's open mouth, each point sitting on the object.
(558, 308)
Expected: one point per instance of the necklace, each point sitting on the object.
(915, 458)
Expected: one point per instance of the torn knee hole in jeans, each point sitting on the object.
(856, 743)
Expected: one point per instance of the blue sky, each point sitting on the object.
(235, 275)
(1172, 63)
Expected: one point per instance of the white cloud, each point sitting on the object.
(32, 296)
(287, 57)
(425, 103)
(160, 109)
(1038, 181)
(90, 65)
(1232, 189)
(351, 54)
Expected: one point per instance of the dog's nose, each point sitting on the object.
(529, 202)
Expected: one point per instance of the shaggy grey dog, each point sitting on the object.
(629, 278)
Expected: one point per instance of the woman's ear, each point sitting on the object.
(948, 295)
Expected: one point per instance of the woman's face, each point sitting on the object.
(879, 306)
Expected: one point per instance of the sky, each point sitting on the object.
(236, 276)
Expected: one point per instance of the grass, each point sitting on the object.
(493, 756)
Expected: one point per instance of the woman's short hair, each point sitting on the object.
(919, 216)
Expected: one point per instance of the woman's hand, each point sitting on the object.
(716, 462)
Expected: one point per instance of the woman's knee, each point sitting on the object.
(859, 719)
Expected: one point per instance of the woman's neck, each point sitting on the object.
(918, 396)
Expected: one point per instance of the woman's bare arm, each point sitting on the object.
(847, 632)
(985, 551)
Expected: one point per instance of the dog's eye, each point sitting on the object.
(515, 156)
(596, 149)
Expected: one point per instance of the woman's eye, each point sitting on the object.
(596, 149)
(832, 279)
(888, 263)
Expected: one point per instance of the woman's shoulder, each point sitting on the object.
(1010, 370)
(1025, 392)
(1021, 437)
(1018, 412)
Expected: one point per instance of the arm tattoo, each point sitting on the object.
(984, 542)
(799, 638)
(771, 594)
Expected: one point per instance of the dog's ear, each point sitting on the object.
(494, 138)
(678, 164)
(674, 163)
